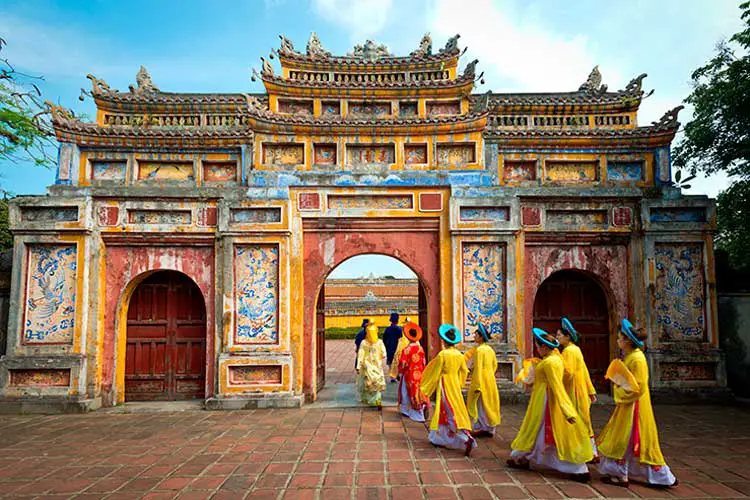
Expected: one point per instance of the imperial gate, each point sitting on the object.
(511, 208)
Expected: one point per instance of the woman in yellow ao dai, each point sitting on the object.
(578, 380)
(483, 400)
(371, 379)
(551, 435)
(446, 375)
(629, 444)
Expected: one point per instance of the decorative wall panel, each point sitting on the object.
(679, 292)
(255, 375)
(531, 216)
(283, 154)
(625, 171)
(371, 201)
(331, 108)
(49, 214)
(415, 154)
(219, 171)
(309, 201)
(571, 172)
(50, 302)
(173, 217)
(686, 214)
(256, 296)
(108, 170)
(519, 170)
(443, 108)
(40, 378)
(688, 371)
(325, 154)
(577, 219)
(370, 154)
(488, 214)
(455, 154)
(295, 107)
(408, 108)
(169, 171)
(483, 269)
(370, 108)
(255, 215)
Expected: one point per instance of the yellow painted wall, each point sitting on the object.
(352, 321)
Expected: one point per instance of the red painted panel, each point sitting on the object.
(430, 201)
(166, 340)
(578, 297)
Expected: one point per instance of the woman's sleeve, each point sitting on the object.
(431, 376)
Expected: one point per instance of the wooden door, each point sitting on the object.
(165, 357)
(320, 339)
(579, 298)
(422, 315)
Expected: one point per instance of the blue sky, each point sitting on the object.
(201, 46)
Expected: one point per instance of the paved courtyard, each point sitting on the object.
(331, 453)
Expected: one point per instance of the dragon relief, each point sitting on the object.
(425, 47)
(593, 84)
(144, 83)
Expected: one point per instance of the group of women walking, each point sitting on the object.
(556, 432)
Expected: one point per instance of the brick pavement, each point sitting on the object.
(340, 362)
(324, 454)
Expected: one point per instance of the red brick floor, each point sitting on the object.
(340, 362)
(320, 454)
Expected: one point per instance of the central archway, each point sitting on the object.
(165, 353)
(577, 296)
(416, 243)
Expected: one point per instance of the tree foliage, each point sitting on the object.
(717, 139)
(25, 131)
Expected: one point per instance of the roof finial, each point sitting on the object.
(287, 47)
(267, 69)
(593, 83)
(370, 51)
(314, 48)
(425, 46)
(451, 45)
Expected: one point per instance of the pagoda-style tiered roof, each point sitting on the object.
(370, 73)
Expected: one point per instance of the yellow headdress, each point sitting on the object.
(371, 333)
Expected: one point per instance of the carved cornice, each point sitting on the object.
(410, 85)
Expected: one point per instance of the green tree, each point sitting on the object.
(717, 139)
(25, 131)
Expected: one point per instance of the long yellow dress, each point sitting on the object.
(483, 385)
(447, 373)
(614, 439)
(371, 380)
(578, 384)
(571, 441)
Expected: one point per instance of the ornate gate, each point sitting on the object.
(165, 358)
(320, 339)
(579, 298)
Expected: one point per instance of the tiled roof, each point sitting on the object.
(409, 84)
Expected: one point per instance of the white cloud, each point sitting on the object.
(361, 18)
(516, 51)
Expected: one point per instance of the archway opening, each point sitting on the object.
(578, 297)
(165, 353)
(370, 286)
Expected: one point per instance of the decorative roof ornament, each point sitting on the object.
(593, 84)
(669, 120)
(98, 87)
(61, 115)
(255, 105)
(267, 69)
(287, 47)
(370, 51)
(451, 45)
(482, 103)
(471, 69)
(425, 46)
(145, 85)
(314, 47)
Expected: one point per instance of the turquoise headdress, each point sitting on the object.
(540, 335)
(450, 334)
(567, 326)
(627, 329)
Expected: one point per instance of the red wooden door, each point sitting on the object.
(165, 357)
(579, 298)
(320, 339)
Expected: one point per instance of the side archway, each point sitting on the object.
(579, 297)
